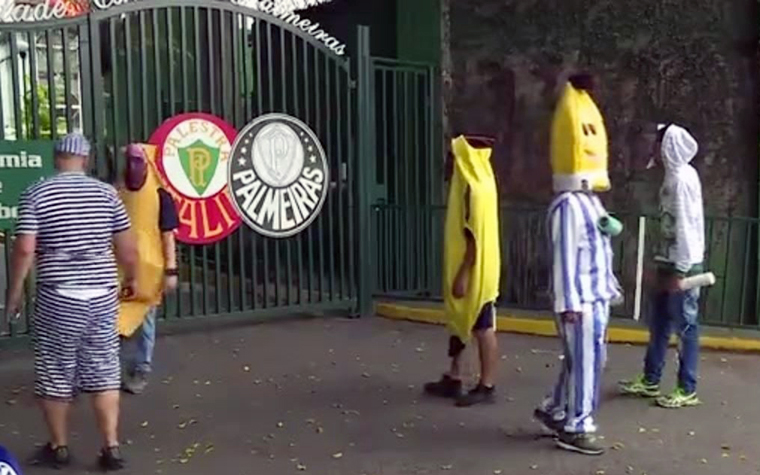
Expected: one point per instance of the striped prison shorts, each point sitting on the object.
(76, 343)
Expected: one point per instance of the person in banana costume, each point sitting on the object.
(472, 268)
(154, 218)
(583, 283)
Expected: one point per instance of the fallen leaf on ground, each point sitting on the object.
(280, 425)
(144, 424)
(246, 368)
(301, 467)
(534, 467)
(446, 467)
(704, 461)
(337, 456)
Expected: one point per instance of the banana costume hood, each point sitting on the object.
(579, 150)
(141, 199)
(473, 172)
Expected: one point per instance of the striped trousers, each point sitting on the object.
(76, 343)
(575, 397)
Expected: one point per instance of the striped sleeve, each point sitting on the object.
(565, 232)
(27, 215)
(120, 220)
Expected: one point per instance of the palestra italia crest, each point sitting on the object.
(278, 175)
(193, 151)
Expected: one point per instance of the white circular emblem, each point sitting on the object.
(278, 175)
(6, 469)
(195, 154)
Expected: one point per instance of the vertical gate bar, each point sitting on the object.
(67, 78)
(185, 107)
(418, 186)
(408, 170)
(91, 103)
(398, 171)
(271, 94)
(297, 111)
(157, 67)
(114, 95)
(307, 116)
(204, 276)
(432, 175)
(254, 236)
(244, 59)
(214, 97)
(17, 104)
(197, 59)
(33, 78)
(745, 273)
(288, 243)
(350, 182)
(235, 28)
(171, 66)
(726, 272)
(365, 177)
(340, 119)
(130, 80)
(259, 79)
(266, 241)
(330, 162)
(385, 254)
(246, 94)
(2, 105)
(318, 130)
(50, 58)
(146, 126)
(228, 112)
(183, 59)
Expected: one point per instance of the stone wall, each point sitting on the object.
(689, 61)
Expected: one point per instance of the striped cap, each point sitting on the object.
(73, 144)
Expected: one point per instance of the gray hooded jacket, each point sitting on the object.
(681, 206)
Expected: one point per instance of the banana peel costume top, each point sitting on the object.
(473, 172)
(583, 284)
(143, 208)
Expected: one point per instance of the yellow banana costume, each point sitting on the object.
(472, 169)
(143, 208)
(578, 144)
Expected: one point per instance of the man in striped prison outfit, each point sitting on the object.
(583, 283)
(74, 225)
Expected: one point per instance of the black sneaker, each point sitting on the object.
(585, 444)
(480, 394)
(548, 422)
(446, 387)
(110, 459)
(50, 457)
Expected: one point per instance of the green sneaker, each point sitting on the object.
(677, 399)
(639, 386)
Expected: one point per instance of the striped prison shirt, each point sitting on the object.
(74, 218)
(581, 253)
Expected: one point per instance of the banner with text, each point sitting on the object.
(21, 164)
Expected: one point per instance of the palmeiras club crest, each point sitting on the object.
(193, 150)
(278, 175)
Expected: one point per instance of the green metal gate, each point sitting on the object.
(117, 74)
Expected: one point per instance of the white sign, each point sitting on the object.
(278, 175)
(15, 11)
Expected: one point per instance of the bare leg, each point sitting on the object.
(106, 407)
(455, 372)
(56, 417)
(488, 349)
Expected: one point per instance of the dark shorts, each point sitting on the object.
(485, 321)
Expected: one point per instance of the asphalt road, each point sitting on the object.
(343, 397)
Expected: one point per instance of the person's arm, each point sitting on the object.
(168, 222)
(125, 244)
(462, 279)
(22, 256)
(683, 201)
(565, 236)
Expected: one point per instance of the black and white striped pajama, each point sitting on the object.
(76, 343)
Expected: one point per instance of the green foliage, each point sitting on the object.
(42, 112)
